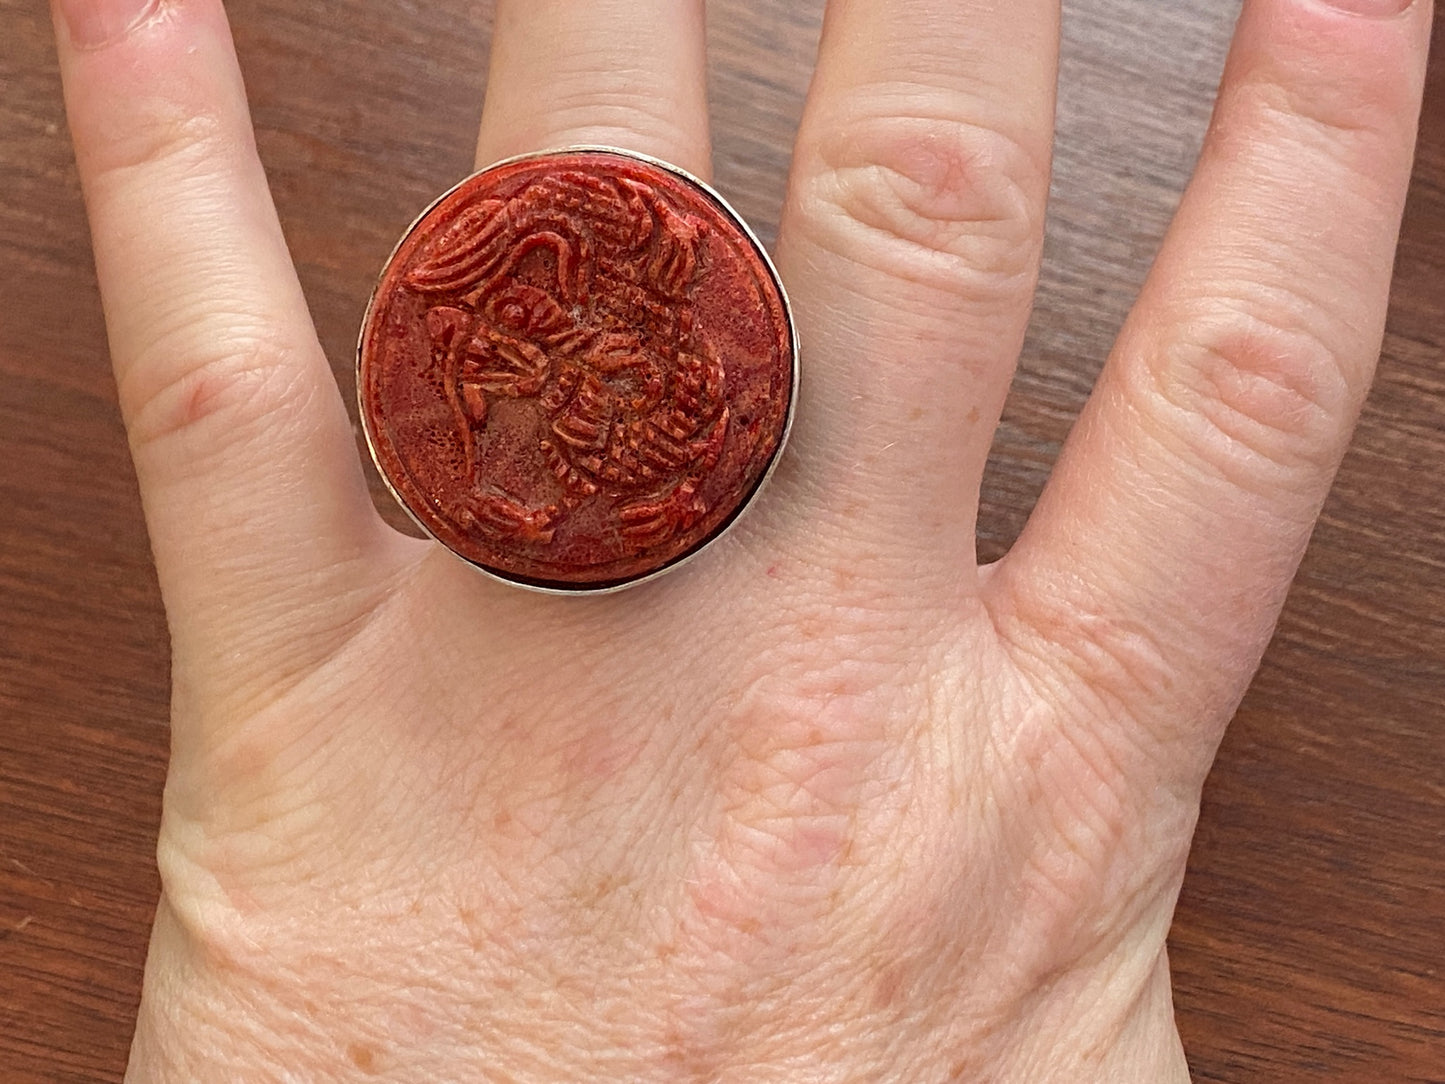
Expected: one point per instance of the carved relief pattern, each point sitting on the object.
(576, 294)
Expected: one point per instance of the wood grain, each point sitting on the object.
(1308, 942)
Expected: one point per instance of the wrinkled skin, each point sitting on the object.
(833, 803)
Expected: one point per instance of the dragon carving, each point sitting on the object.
(575, 292)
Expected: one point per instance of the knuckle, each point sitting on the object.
(220, 390)
(1079, 797)
(160, 133)
(167, 99)
(1114, 717)
(1061, 634)
(1248, 390)
(1295, 104)
(1094, 814)
(625, 116)
(799, 762)
(1324, 115)
(943, 201)
(808, 785)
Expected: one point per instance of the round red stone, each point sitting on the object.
(577, 369)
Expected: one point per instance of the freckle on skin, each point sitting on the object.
(885, 993)
(476, 935)
(973, 416)
(363, 1057)
(602, 889)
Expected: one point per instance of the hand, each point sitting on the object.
(833, 803)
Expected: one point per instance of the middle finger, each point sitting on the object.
(624, 73)
(911, 244)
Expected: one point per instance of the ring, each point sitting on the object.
(577, 370)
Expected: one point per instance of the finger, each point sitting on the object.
(623, 73)
(1160, 553)
(911, 243)
(252, 488)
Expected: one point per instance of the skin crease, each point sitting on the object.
(833, 803)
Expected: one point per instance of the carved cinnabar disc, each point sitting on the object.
(577, 369)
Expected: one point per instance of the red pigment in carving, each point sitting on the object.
(576, 369)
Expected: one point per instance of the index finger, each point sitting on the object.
(1159, 555)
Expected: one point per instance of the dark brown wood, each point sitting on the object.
(1308, 942)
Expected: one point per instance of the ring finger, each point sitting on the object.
(625, 73)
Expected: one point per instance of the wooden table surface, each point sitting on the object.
(1310, 939)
